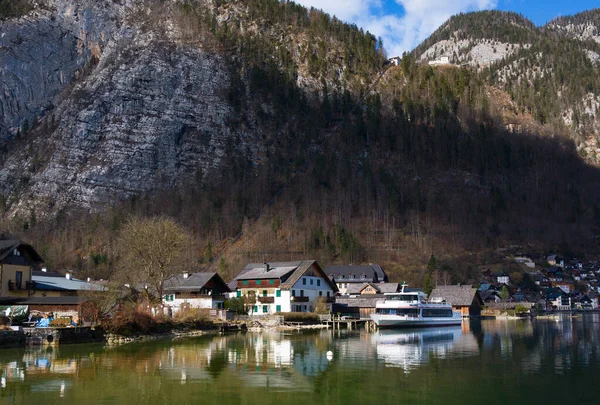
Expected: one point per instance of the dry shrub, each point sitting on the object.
(307, 318)
(193, 318)
(129, 320)
(4, 320)
(60, 322)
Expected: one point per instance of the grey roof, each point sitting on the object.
(52, 282)
(288, 272)
(457, 295)
(381, 288)
(195, 281)
(373, 273)
(364, 301)
(67, 300)
(251, 267)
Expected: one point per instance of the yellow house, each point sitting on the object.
(17, 262)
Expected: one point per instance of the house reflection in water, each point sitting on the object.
(43, 369)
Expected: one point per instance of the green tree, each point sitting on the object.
(504, 294)
(237, 306)
(428, 284)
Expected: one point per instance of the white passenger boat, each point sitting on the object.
(411, 309)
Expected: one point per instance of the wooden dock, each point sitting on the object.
(337, 322)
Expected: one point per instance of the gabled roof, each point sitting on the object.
(381, 288)
(195, 281)
(373, 273)
(257, 271)
(287, 272)
(457, 295)
(7, 246)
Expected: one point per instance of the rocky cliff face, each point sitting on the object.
(126, 102)
(44, 51)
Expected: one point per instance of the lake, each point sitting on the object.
(545, 361)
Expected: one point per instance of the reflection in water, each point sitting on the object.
(252, 364)
(409, 349)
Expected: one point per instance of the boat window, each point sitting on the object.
(399, 311)
(410, 297)
(439, 313)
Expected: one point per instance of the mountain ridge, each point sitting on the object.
(242, 120)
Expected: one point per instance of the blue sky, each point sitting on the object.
(403, 24)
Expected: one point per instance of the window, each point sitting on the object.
(256, 308)
(340, 276)
(264, 293)
(239, 293)
(351, 277)
(412, 312)
(278, 293)
(293, 293)
(311, 281)
(319, 283)
(440, 313)
(303, 281)
(271, 282)
(402, 297)
(363, 276)
(245, 282)
(278, 308)
(320, 293)
(18, 279)
(265, 309)
(302, 293)
(328, 293)
(257, 282)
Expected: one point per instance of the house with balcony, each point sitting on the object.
(196, 290)
(345, 276)
(17, 262)
(274, 287)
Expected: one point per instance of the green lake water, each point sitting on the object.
(545, 361)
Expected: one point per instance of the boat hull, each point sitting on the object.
(395, 321)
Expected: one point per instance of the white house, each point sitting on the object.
(197, 290)
(395, 60)
(502, 278)
(444, 60)
(283, 286)
(346, 276)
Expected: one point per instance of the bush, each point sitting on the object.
(192, 315)
(307, 318)
(521, 309)
(4, 320)
(130, 321)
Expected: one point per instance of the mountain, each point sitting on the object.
(550, 72)
(135, 96)
(275, 132)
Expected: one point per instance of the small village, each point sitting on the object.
(33, 297)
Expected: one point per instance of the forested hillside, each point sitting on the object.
(273, 132)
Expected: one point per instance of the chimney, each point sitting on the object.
(186, 275)
(69, 275)
(267, 267)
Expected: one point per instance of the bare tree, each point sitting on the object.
(150, 251)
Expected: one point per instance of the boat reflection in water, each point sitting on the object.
(411, 348)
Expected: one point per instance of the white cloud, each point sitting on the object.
(399, 32)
